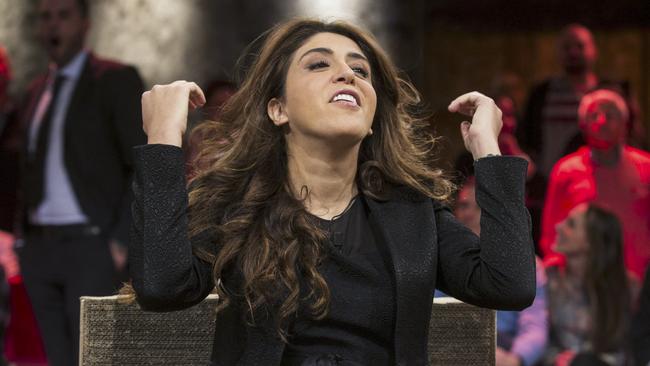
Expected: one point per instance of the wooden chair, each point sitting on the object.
(115, 333)
(461, 334)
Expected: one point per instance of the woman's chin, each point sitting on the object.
(344, 135)
(336, 137)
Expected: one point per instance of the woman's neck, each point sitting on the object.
(328, 176)
(576, 267)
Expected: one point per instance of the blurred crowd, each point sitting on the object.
(588, 194)
(65, 154)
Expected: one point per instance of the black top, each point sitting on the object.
(357, 272)
(428, 248)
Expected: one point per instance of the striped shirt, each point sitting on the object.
(560, 122)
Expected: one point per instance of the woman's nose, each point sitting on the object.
(345, 74)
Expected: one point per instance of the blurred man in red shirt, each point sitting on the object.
(605, 171)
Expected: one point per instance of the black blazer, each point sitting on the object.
(428, 248)
(102, 124)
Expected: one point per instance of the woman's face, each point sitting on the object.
(571, 233)
(328, 93)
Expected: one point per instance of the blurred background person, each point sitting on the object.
(5, 78)
(607, 172)
(6, 242)
(590, 297)
(20, 341)
(521, 335)
(640, 335)
(81, 120)
(549, 129)
(8, 170)
(9, 147)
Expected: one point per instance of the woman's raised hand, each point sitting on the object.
(481, 134)
(165, 108)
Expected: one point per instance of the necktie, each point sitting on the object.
(36, 166)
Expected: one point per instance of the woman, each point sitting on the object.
(320, 221)
(589, 297)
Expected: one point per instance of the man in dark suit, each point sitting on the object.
(81, 120)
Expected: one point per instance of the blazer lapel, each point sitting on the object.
(408, 229)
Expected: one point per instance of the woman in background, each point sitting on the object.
(590, 296)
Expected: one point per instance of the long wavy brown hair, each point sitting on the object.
(241, 193)
(606, 280)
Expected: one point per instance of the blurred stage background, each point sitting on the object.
(446, 47)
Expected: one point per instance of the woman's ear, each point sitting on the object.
(277, 112)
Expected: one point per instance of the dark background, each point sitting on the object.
(446, 47)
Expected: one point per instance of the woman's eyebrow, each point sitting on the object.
(328, 51)
(356, 55)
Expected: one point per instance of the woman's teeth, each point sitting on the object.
(345, 97)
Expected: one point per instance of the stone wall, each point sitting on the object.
(192, 39)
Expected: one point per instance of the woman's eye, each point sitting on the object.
(317, 65)
(360, 71)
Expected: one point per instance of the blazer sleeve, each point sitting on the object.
(126, 88)
(496, 270)
(165, 272)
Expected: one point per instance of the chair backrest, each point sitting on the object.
(117, 333)
(113, 332)
(461, 334)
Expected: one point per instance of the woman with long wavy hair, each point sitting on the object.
(590, 295)
(316, 209)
